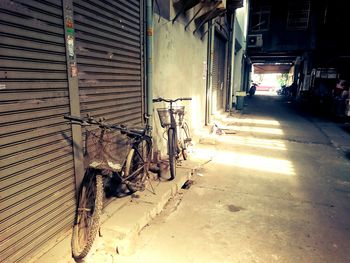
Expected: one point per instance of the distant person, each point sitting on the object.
(252, 89)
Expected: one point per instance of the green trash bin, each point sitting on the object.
(240, 100)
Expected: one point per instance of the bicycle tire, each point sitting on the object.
(88, 215)
(137, 163)
(171, 153)
(185, 140)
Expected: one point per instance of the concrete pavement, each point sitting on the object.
(275, 187)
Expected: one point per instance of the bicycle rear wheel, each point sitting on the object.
(172, 153)
(88, 215)
(186, 140)
(137, 164)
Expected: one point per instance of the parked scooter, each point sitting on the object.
(288, 91)
(284, 91)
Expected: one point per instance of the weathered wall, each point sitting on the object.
(180, 60)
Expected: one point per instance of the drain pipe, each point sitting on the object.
(209, 83)
(154, 165)
(149, 58)
(232, 62)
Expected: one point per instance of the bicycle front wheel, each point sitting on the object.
(137, 164)
(88, 215)
(172, 153)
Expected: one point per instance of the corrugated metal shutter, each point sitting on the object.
(109, 57)
(216, 65)
(219, 71)
(37, 187)
(222, 64)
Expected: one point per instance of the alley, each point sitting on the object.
(277, 189)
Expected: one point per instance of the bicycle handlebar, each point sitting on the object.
(170, 100)
(86, 120)
(101, 123)
(73, 118)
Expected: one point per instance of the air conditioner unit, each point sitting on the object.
(255, 40)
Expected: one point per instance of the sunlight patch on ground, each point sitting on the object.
(253, 142)
(253, 129)
(248, 161)
(227, 119)
(266, 93)
(252, 121)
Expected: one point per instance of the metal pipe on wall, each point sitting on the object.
(149, 57)
(232, 62)
(210, 58)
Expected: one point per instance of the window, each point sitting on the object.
(298, 15)
(261, 18)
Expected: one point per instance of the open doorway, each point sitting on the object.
(271, 79)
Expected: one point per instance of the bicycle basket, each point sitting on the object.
(164, 115)
(109, 147)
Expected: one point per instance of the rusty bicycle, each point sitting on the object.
(131, 171)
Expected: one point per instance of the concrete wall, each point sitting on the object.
(242, 17)
(180, 60)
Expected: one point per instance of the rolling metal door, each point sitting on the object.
(222, 65)
(109, 58)
(37, 188)
(215, 77)
(215, 67)
(218, 73)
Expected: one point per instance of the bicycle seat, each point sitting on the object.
(110, 166)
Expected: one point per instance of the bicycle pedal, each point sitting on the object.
(187, 140)
(138, 186)
(179, 162)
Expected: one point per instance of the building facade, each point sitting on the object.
(307, 35)
(89, 57)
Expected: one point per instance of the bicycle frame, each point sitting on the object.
(173, 126)
(145, 164)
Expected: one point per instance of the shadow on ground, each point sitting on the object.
(346, 128)
(347, 155)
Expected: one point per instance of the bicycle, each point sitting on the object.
(172, 119)
(132, 173)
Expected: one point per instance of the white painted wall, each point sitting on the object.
(242, 17)
(241, 29)
(179, 71)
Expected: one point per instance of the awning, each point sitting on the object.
(207, 10)
(232, 5)
(211, 10)
(184, 5)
